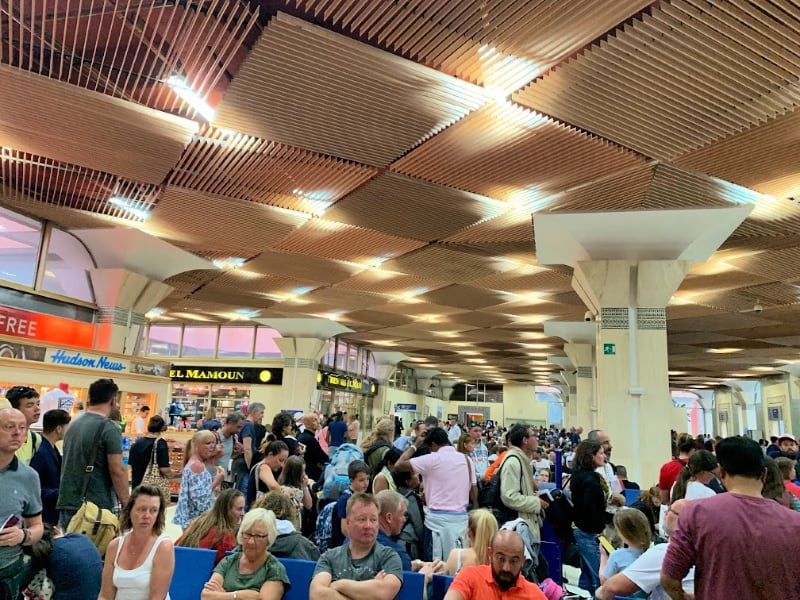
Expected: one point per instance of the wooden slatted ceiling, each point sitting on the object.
(412, 208)
(502, 44)
(507, 152)
(69, 218)
(383, 281)
(304, 267)
(194, 219)
(67, 124)
(438, 262)
(248, 168)
(338, 241)
(332, 95)
(764, 158)
(61, 184)
(129, 48)
(684, 76)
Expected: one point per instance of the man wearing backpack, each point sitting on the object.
(447, 491)
(516, 478)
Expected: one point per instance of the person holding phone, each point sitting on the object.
(20, 504)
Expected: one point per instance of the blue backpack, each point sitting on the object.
(335, 479)
(324, 531)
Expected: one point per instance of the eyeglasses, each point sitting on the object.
(255, 536)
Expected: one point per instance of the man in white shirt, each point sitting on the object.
(454, 433)
(59, 397)
(140, 427)
(644, 574)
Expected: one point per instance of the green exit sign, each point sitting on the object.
(609, 349)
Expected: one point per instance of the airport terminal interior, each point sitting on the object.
(567, 212)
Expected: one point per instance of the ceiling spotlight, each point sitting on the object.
(129, 206)
(181, 87)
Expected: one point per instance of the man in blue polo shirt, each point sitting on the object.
(392, 517)
(20, 504)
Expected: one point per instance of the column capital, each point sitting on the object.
(302, 352)
(125, 289)
(621, 283)
(581, 355)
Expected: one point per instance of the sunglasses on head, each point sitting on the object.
(19, 392)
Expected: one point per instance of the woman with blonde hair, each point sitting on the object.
(290, 543)
(466, 444)
(378, 442)
(216, 529)
(197, 484)
(254, 572)
(481, 527)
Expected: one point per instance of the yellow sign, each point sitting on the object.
(265, 375)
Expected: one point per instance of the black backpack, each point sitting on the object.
(489, 495)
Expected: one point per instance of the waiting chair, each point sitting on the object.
(300, 573)
(413, 586)
(440, 584)
(193, 567)
(631, 496)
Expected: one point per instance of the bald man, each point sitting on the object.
(20, 502)
(500, 578)
(314, 456)
(644, 574)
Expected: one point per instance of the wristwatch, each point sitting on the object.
(27, 536)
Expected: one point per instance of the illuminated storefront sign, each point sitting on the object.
(226, 374)
(359, 385)
(46, 328)
(70, 358)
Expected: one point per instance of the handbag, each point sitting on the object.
(100, 525)
(153, 476)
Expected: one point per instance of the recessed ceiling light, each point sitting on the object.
(181, 87)
(762, 368)
(129, 206)
(723, 350)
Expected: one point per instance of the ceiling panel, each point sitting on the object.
(200, 220)
(332, 95)
(412, 208)
(65, 123)
(441, 263)
(763, 158)
(501, 48)
(303, 267)
(248, 168)
(508, 152)
(464, 296)
(327, 239)
(679, 76)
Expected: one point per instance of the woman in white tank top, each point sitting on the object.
(143, 557)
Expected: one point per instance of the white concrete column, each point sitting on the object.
(585, 411)
(632, 387)
(301, 358)
(123, 298)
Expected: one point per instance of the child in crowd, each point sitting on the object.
(633, 530)
(358, 472)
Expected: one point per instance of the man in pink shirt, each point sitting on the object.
(447, 491)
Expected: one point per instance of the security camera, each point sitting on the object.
(587, 316)
(758, 309)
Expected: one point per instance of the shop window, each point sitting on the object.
(265, 343)
(66, 267)
(352, 359)
(340, 361)
(164, 340)
(20, 238)
(236, 341)
(330, 353)
(199, 340)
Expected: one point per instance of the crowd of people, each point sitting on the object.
(467, 500)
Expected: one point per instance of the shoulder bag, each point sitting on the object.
(98, 524)
(153, 476)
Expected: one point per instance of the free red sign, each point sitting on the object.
(47, 328)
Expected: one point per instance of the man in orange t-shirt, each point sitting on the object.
(500, 578)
